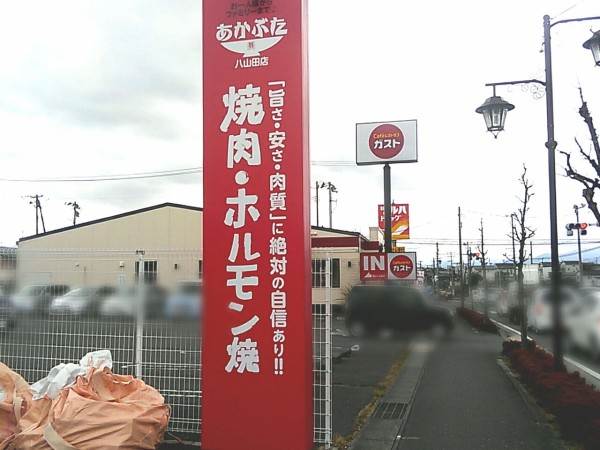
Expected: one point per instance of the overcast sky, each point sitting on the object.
(108, 89)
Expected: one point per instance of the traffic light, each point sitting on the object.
(577, 226)
(569, 228)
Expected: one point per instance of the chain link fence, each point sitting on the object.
(143, 306)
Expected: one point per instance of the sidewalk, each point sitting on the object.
(455, 396)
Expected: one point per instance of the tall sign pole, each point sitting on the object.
(257, 383)
(387, 207)
(386, 143)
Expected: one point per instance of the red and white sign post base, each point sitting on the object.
(257, 333)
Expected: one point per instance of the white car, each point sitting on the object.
(540, 316)
(583, 324)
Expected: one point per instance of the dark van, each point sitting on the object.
(372, 309)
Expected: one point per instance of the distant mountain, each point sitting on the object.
(569, 253)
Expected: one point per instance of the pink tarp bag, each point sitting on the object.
(15, 399)
(107, 411)
(100, 411)
(30, 430)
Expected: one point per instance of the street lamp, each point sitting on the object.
(593, 44)
(492, 113)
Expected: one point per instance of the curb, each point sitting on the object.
(411, 402)
(533, 407)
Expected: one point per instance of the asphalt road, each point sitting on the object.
(355, 378)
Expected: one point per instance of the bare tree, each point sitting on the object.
(483, 261)
(522, 234)
(592, 157)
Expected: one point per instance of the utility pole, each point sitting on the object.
(75, 210)
(469, 268)
(38, 211)
(317, 187)
(433, 277)
(462, 283)
(331, 188)
(531, 252)
(451, 273)
(485, 310)
(469, 256)
(437, 269)
(576, 208)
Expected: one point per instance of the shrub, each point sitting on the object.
(575, 404)
(593, 437)
(477, 320)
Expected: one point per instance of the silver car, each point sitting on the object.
(83, 300)
(37, 297)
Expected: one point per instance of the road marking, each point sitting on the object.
(580, 366)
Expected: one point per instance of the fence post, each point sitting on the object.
(139, 315)
(328, 399)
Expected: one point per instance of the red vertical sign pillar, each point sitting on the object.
(257, 329)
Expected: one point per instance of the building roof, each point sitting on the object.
(364, 241)
(335, 230)
(106, 219)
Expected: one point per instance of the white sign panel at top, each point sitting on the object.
(386, 142)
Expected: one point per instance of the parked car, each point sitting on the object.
(372, 309)
(582, 323)
(37, 297)
(7, 314)
(83, 300)
(540, 308)
(124, 301)
(185, 301)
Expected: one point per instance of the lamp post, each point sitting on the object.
(512, 229)
(494, 112)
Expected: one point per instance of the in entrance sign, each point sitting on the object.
(388, 266)
(373, 266)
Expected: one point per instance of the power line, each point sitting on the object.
(157, 174)
(164, 173)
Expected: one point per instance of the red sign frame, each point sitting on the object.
(257, 387)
